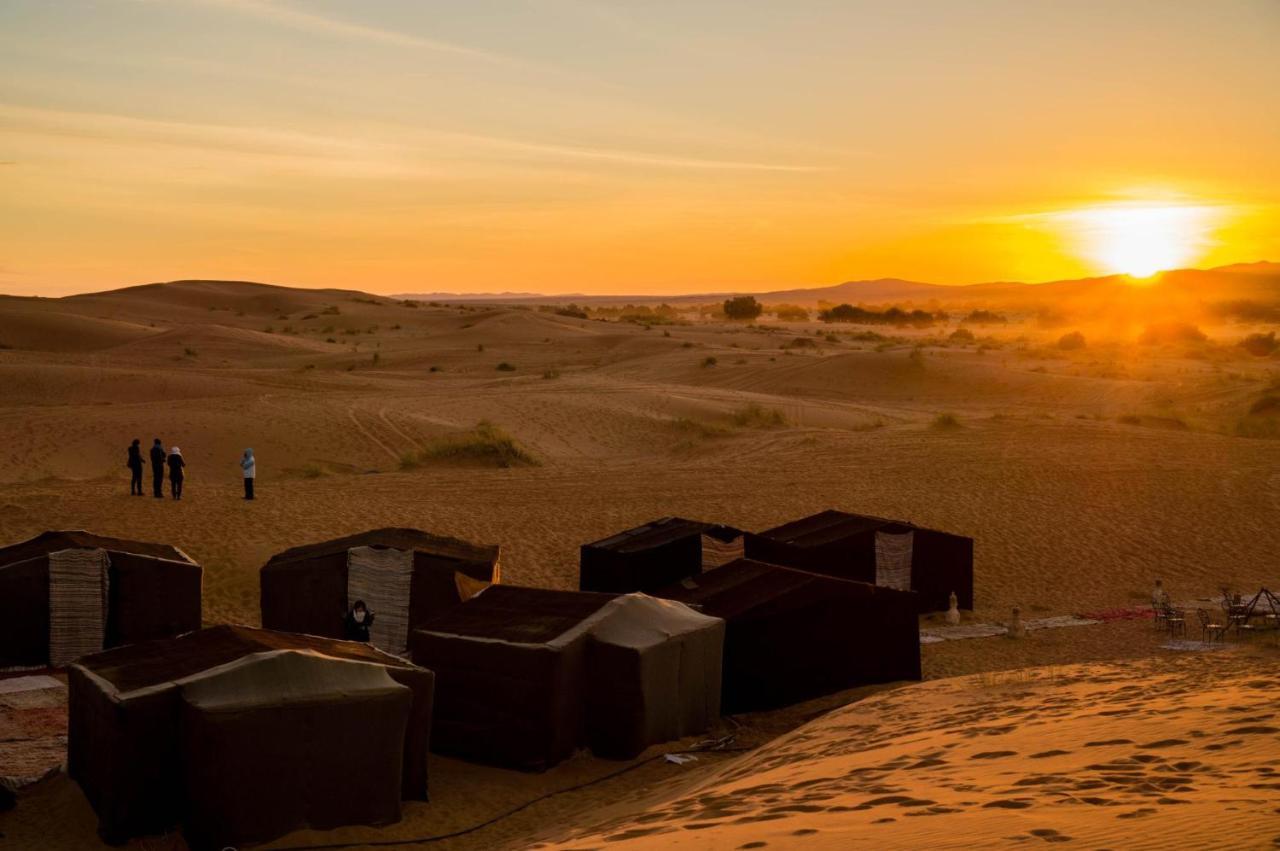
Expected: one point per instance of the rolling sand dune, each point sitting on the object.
(1082, 476)
(1156, 754)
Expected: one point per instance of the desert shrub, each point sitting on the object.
(866, 316)
(1072, 341)
(330, 340)
(758, 416)
(331, 310)
(1267, 428)
(961, 335)
(479, 347)
(742, 307)
(550, 374)
(698, 429)
(790, 312)
(1266, 406)
(309, 316)
(486, 445)
(1260, 344)
(709, 361)
(572, 311)
(666, 333)
(686, 345)
(189, 352)
(1161, 333)
(985, 317)
(1129, 419)
(505, 367)
(800, 343)
(1246, 311)
(410, 303)
(916, 357)
(945, 422)
(313, 471)
(434, 369)
(376, 357)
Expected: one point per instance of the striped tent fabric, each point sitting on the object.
(382, 577)
(77, 603)
(893, 559)
(717, 553)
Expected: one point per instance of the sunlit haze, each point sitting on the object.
(608, 147)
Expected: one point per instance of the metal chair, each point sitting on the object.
(1209, 627)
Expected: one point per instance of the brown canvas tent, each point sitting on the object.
(528, 674)
(403, 575)
(656, 554)
(890, 553)
(65, 594)
(242, 734)
(793, 635)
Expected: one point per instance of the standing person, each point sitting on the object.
(249, 467)
(157, 468)
(176, 465)
(134, 464)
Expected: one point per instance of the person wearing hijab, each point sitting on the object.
(359, 619)
(249, 467)
(157, 469)
(134, 464)
(176, 465)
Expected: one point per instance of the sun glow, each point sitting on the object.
(1140, 239)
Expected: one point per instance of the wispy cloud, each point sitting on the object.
(387, 149)
(298, 19)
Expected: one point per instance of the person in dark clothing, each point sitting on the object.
(134, 464)
(176, 465)
(157, 469)
(359, 619)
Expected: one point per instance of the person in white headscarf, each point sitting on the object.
(176, 465)
(249, 467)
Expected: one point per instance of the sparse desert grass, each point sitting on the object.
(709, 361)
(313, 471)
(1263, 419)
(505, 367)
(945, 422)
(699, 429)
(486, 445)
(550, 374)
(758, 416)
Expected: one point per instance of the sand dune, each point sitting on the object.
(1157, 754)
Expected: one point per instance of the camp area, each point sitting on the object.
(791, 635)
(402, 575)
(527, 675)
(67, 593)
(241, 735)
(889, 553)
(655, 554)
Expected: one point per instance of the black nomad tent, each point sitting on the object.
(656, 554)
(241, 735)
(793, 635)
(65, 594)
(890, 553)
(526, 675)
(403, 575)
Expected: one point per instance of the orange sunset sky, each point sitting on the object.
(611, 147)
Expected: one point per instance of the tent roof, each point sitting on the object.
(745, 584)
(638, 620)
(827, 526)
(657, 533)
(279, 677)
(52, 542)
(394, 538)
(163, 660)
(517, 614)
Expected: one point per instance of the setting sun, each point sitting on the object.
(1141, 239)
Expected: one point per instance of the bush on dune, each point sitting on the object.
(758, 416)
(1164, 333)
(1071, 342)
(945, 422)
(485, 445)
(1260, 345)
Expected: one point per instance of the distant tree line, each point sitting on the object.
(889, 316)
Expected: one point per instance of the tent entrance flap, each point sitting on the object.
(383, 577)
(78, 596)
(893, 559)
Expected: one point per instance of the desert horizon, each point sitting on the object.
(576, 424)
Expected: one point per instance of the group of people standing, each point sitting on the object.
(176, 464)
